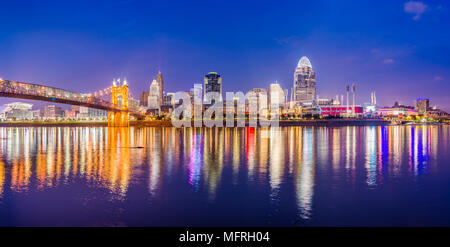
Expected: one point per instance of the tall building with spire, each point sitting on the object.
(304, 82)
(154, 97)
(159, 79)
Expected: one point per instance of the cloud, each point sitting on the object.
(417, 8)
(438, 78)
(388, 61)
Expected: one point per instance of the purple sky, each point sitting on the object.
(400, 49)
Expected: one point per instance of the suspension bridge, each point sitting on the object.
(119, 108)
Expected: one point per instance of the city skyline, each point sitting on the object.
(261, 118)
(394, 60)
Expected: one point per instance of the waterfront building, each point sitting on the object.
(37, 114)
(256, 97)
(159, 79)
(339, 110)
(197, 92)
(68, 115)
(325, 102)
(397, 111)
(53, 112)
(154, 95)
(73, 113)
(230, 107)
(18, 111)
(152, 112)
(370, 109)
(169, 99)
(143, 99)
(166, 109)
(196, 100)
(422, 106)
(437, 113)
(277, 95)
(83, 113)
(88, 113)
(304, 90)
(212, 83)
(306, 110)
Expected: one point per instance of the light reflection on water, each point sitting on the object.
(291, 175)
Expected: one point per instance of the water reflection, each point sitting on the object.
(305, 174)
(116, 159)
(371, 156)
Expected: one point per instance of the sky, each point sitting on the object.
(399, 49)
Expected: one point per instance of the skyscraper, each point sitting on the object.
(277, 96)
(169, 99)
(160, 81)
(256, 97)
(212, 83)
(154, 97)
(422, 105)
(197, 92)
(304, 82)
(143, 99)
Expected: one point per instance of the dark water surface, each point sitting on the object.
(293, 176)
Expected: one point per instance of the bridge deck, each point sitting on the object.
(13, 89)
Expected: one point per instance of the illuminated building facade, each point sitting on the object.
(88, 113)
(437, 113)
(335, 110)
(154, 97)
(197, 92)
(326, 102)
(143, 99)
(422, 106)
(159, 79)
(212, 83)
(17, 111)
(37, 114)
(256, 97)
(304, 82)
(396, 111)
(277, 96)
(169, 99)
(53, 112)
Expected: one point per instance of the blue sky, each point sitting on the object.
(400, 49)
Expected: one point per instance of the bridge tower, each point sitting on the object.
(119, 97)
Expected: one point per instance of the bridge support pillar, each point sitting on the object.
(119, 97)
(118, 119)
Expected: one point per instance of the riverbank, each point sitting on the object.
(53, 124)
(287, 123)
(168, 123)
